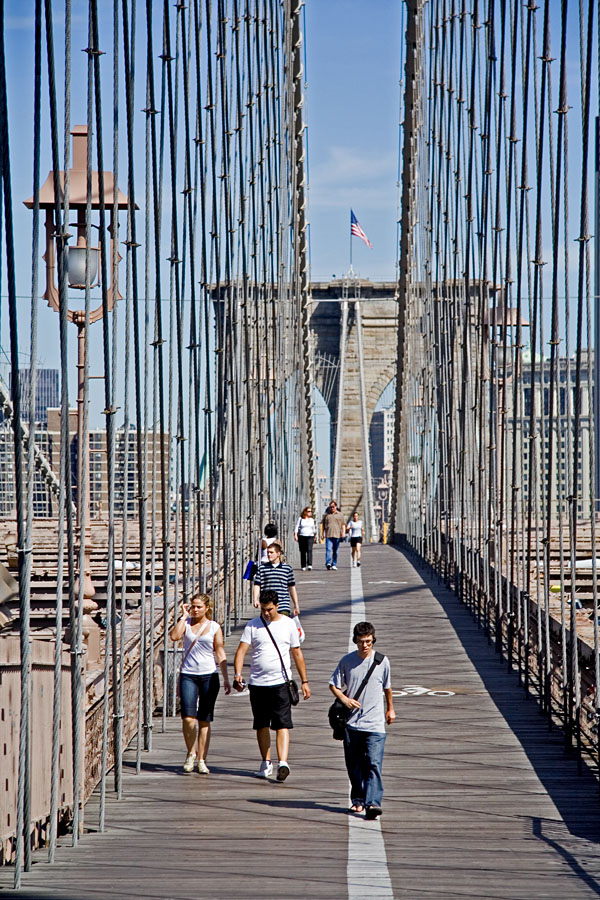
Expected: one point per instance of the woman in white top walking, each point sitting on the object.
(203, 649)
(356, 532)
(305, 535)
(269, 538)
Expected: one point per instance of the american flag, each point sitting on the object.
(357, 231)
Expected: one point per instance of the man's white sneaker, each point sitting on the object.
(283, 771)
(203, 768)
(334, 567)
(309, 568)
(266, 769)
(190, 759)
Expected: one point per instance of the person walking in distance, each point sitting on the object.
(333, 529)
(357, 533)
(364, 739)
(269, 673)
(305, 535)
(203, 650)
(270, 536)
(277, 576)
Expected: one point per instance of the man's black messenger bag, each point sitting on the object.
(339, 713)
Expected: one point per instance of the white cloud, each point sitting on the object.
(347, 175)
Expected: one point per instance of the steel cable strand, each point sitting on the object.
(230, 433)
(189, 235)
(554, 343)
(594, 458)
(565, 430)
(521, 187)
(242, 345)
(537, 446)
(108, 404)
(27, 548)
(591, 485)
(239, 486)
(510, 362)
(157, 344)
(148, 683)
(216, 437)
(124, 442)
(57, 679)
(479, 264)
(117, 636)
(65, 458)
(583, 238)
(23, 844)
(64, 493)
(131, 312)
(499, 359)
(206, 465)
(170, 103)
(462, 267)
(177, 277)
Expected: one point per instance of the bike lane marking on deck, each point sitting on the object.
(367, 870)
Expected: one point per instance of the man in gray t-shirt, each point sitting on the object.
(364, 739)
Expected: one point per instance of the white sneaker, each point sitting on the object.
(203, 768)
(304, 568)
(266, 769)
(283, 771)
(334, 567)
(190, 759)
(309, 568)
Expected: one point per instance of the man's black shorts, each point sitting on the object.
(271, 706)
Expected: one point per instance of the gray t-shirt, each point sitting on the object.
(348, 677)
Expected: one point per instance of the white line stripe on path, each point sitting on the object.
(367, 871)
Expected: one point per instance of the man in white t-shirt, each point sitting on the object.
(269, 694)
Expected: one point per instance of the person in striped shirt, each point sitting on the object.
(277, 576)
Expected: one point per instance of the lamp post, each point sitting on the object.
(82, 263)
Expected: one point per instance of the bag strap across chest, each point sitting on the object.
(379, 657)
(283, 669)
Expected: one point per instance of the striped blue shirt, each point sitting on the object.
(279, 579)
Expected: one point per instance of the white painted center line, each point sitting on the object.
(367, 872)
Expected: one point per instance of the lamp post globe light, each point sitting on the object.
(82, 263)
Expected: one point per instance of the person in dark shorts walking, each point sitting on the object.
(269, 694)
(357, 533)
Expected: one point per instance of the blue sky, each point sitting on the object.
(353, 70)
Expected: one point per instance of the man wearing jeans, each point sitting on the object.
(364, 740)
(333, 529)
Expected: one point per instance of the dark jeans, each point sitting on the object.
(363, 752)
(198, 695)
(305, 542)
(331, 551)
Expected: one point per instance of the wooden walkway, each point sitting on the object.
(479, 799)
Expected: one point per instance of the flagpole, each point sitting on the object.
(350, 240)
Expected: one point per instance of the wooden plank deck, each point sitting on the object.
(479, 799)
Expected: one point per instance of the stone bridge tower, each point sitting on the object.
(378, 313)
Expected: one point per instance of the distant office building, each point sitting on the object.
(381, 436)
(47, 438)
(559, 461)
(45, 505)
(47, 392)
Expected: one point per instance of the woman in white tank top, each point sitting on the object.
(203, 651)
